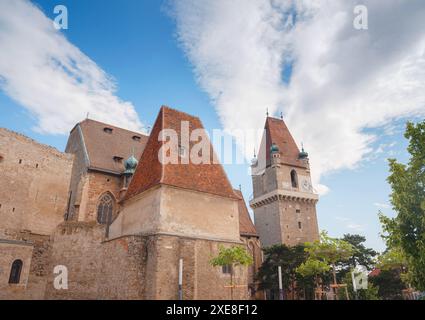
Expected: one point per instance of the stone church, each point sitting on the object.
(120, 220)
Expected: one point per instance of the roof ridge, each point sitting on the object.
(110, 125)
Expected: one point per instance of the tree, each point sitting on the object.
(314, 268)
(288, 258)
(407, 230)
(389, 284)
(361, 255)
(326, 252)
(233, 256)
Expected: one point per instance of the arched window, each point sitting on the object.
(294, 179)
(15, 271)
(105, 208)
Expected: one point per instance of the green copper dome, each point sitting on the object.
(274, 148)
(303, 154)
(130, 165)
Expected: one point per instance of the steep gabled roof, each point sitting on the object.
(209, 178)
(103, 142)
(278, 133)
(246, 227)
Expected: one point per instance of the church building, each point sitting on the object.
(120, 221)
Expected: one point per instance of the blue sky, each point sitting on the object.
(157, 58)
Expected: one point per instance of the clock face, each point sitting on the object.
(306, 185)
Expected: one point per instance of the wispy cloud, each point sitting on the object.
(356, 227)
(350, 224)
(343, 80)
(382, 205)
(41, 70)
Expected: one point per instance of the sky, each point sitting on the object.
(345, 93)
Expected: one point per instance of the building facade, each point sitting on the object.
(284, 201)
(118, 218)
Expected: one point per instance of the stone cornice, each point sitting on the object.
(281, 194)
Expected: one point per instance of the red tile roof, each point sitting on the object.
(209, 178)
(278, 133)
(375, 272)
(246, 227)
(102, 147)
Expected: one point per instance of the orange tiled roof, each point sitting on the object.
(209, 178)
(278, 133)
(246, 227)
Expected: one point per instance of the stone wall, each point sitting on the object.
(138, 267)
(97, 269)
(180, 212)
(34, 182)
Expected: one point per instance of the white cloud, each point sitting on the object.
(382, 205)
(343, 81)
(356, 227)
(52, 78)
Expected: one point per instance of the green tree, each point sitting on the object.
(389, 284)
(326, 252)
(361, 255)
(233, 256)
(288, 258)
(316, 269)
(407, 230)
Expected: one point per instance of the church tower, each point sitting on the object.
(284, 201)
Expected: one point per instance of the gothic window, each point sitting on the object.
(104, 208)
(15, 271)
(299, 225)
(294, 179)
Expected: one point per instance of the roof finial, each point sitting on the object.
(255, 154)
(240, 187)
(281, 115)
(87, 115)
(267, 112)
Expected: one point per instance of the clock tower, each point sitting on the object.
(284, 201)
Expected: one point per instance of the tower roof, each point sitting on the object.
(246, 227)
(278, 136)
(105, 142)
(150, 172)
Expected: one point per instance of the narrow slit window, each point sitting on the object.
(294, 179)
